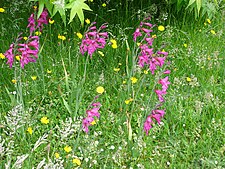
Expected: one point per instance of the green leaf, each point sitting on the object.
(190, 3)
(59, 7)
(41, 7)
(77, 7)
(199, 5)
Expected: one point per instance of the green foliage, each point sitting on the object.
(201, 8)
(59, 6)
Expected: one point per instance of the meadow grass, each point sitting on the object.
(192, 134)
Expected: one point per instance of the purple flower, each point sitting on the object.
(42, 19)
(86, 123)
(31, 24)
(160, 94)
(136, 34)
(164, 82)
(93, 112)
(9, 55)
(158, 115)
(148, 124)
(166, 72)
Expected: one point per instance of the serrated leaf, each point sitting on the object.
(77, 7)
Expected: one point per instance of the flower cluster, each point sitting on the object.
(152, 59)
(93, 39)
(89, 120)
(27, 51)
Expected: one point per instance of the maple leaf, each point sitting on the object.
(77, 7)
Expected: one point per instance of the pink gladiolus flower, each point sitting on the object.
(166, 72)
(162, 53)
(10, 56)
(164, 82)
(160, 94)
(93, 112)
(136, 34)
(31, 24)
(147, 124)
(42, 19)
(86, 123)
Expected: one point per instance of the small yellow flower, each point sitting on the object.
(2, 56)
(104, 5)
(34, 78)
(49, 71)
(35, 7)
(138, 43)
(61, 37)
(79, 35)
(213, 32)
(93, 122)
(209, 21)
(133, 80)
(57, 155)
(14, 81)
(51, 21)
(18, 57)
(25, 38)
(205, 24)
(146, 72)
(185, 45)
(175, 69)
(154, 36)
(113, 41)
(77, 161)
(100, 89)
(87, 21)
(101, 53)
(114, 46)
(67, 149)
(161, 28)
(188, 79)
(38, 33)
(119, 64)
(124, 81)
(44, 120)
(128, 100)
(2, 10)
(29, 130)
(116, 69)
(209, 58)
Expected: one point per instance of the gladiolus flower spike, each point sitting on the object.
(153, 60)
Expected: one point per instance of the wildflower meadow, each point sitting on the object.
(112, 84)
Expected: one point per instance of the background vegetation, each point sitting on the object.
(192, 134)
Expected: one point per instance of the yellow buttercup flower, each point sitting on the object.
(34, 78)
(38, 33)
(161, 28)
(145, 72)
(77, 161)
(44, 120)
(128, 100)
(119, 64)
(209, 21)
(93, 122)
(116, 69)
(18, 57)
(138, 44)
(100, 89)
(188, 79)
(104, 5)
(35, 7)
(124, 81)
(14, 81)
(49, 71)
(101, 53)
(79, 35)
(154, 36)
(61, 37)
(57, 155)
(67, 149)
(114, 43)
(25, 38)
(185, 45)
(213, 32)
(133, 80)
(2, 56)
(2, 10)
(51, 21)
(29, 130)
(87, 21)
